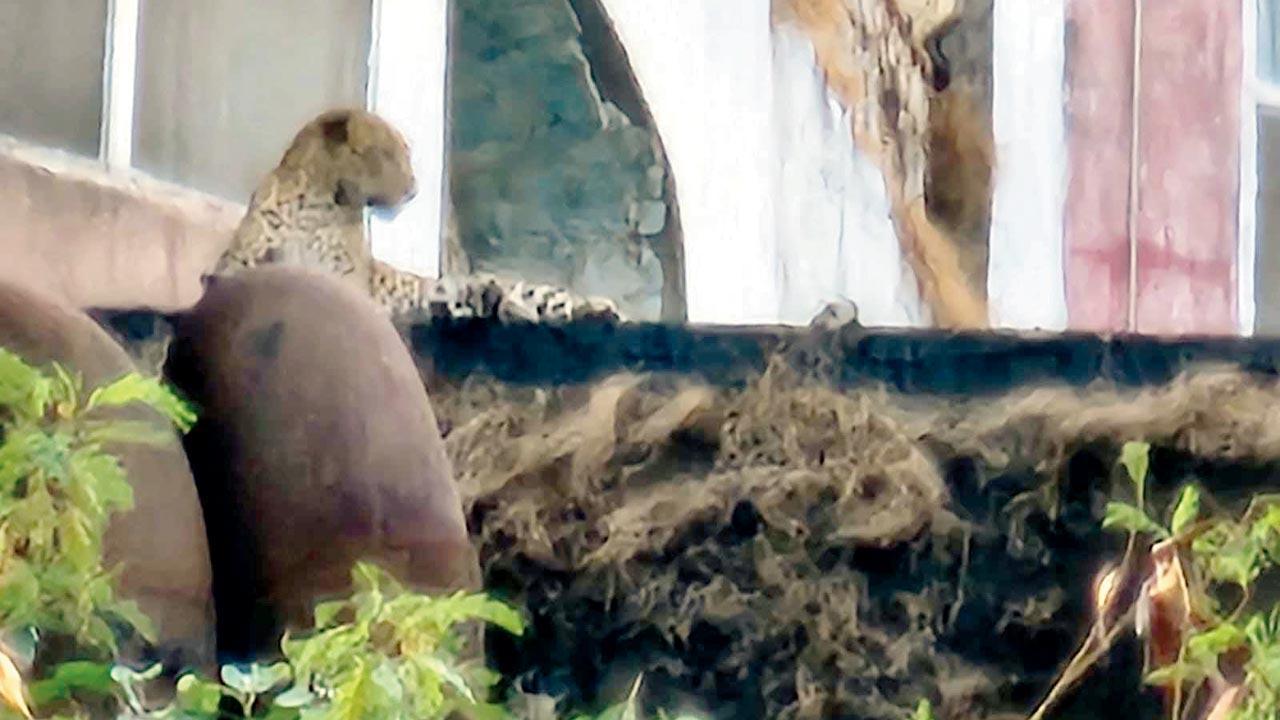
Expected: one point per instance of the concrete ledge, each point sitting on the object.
(102, 239)
(924, 362)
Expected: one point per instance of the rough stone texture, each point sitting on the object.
(550, 182)
(97, 239)
(162, 540)
(317, 446)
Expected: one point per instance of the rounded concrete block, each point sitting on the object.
(317, 446)
(161, 541)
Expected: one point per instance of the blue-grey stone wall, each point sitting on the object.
(549, 182)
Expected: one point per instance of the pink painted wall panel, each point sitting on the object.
(1095, 224)
(1190, 165)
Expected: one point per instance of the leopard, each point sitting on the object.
(310, 211)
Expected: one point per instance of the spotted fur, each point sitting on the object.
(310, 211)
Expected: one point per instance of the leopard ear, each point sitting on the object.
(336, 128)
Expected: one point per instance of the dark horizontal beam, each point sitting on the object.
(909, 361)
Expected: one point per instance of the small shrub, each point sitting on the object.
(384, 653)
(1201, 557)
(58, 490)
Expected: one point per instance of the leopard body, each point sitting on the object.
(310, 211)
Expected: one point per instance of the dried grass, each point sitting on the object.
(789, 541)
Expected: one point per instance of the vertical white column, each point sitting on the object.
(1025, 272)
(408, 61)
(836, 237)
(705, 68)
(119, 84)
(1247, 227)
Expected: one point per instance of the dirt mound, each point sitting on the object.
(788, 550)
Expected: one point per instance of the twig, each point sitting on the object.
(1093, 649)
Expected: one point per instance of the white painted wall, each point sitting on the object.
(120, 78)
(1251, 88)
(1025, 273)
(835, 234)
(408, 58)
(704, 67)
(780, 213)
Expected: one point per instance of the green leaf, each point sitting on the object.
(125, 675)
(1130, 519)
(196, 695)
(386, 680)
(924, 710)
(1186, 510)
(321, 711)
(1234, 564)
(103, 474)
(66, 386)
(236, 679)
(1175, 673)
(1205, 647)
(129, 611)
(277, 712)
(1265, 662)
(23, 389)
(72, 676)
(19, 588)
(326, 613)
(264, 678)
(295, 697)
(449, 675)
(1136, 458)
(134, 388)
(352, 699)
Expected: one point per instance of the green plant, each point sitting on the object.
(389, 653)
(1133, 517)
(384, 652)
(924, 710)
(58, 490)
(1205, 556)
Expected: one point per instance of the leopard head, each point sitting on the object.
(357, 156)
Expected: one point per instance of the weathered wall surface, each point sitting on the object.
(1187, 164)
(780, 212)
(549, 182)
(1190, 149)
(100, 240)
(245, 74)
(834, 233)
(1098, 106)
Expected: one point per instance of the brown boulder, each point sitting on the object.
(161, 541)
(316, 446)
